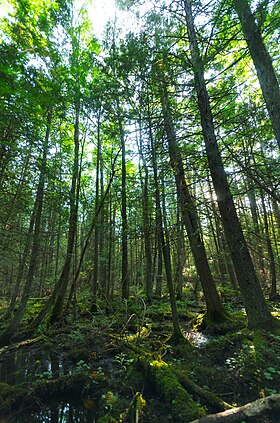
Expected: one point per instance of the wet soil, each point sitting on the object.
(238, 366)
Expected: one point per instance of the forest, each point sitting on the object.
(140, 212)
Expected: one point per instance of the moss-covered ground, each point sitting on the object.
(120, 365)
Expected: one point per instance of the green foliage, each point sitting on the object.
(123, 360)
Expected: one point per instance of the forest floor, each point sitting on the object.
(121, 366)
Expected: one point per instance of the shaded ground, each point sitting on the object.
(88, 370)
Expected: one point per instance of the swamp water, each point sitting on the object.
(198, 339)
(30, 364)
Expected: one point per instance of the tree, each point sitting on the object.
(37, 216)
(263, 63)
(190, 217)
(255, 305)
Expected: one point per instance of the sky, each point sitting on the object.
(100, 12)
(103, 10)
(4, 7)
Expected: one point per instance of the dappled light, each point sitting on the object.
(139, 211)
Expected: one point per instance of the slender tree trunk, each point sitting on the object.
(125, 271)
(103, 234)
(180, 255)
(22, 264)
(257, 310)
(158, 210)
(273, 288)
(257, 229)
(14, 324)
(148, 276)
(165, 243)
(96, 229)
(162, 238)
(263, 64)
(63, 281)
(190, 218)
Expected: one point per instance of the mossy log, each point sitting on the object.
(21, 344)
(161, 379)
(207, 397)
(269, 406)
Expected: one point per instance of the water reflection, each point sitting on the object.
(24, 365)
(33, 364)
(198, 339)
(58, 413)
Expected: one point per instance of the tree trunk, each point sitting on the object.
(95, 270)
(165, 245)
(125, 271)
(257, 310)
(181, 256)
(263, 64)
(272, 267)
(249, 412)
(257, 229)
(22, 264)
(38, 207)
(63, 281)
(190, 218)
(158, 209)
(148, 277)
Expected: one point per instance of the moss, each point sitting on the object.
(10, 396)
(218, 322)
(6, 390)
(181, 404)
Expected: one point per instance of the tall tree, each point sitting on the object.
(38, 208)
(263, 63)
(190, 217)
(257, 310)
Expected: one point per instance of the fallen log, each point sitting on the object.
(269, 406)
(26, 342)
(205, 396)
(208, 397)
(161, 379)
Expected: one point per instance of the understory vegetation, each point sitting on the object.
(139, 211)
(110, 367)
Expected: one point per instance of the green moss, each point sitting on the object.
(6, 390)
(219, 323)
(182, 406)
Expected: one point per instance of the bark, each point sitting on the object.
(273, 279)
(249, 412)
(263, 64)
(103, 235)
(158, 209)
(96, 230)
(181, 256)
(190, 217)
(257, 228)
(63, 281)
(125, 270)
(164, 245)
(257, 310)
(22, 264)
(8, 333)
(148, 277)
(206, 397)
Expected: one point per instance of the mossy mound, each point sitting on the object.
(162, 380)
